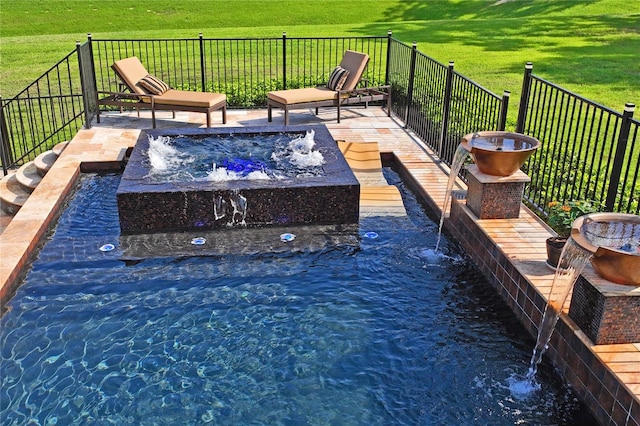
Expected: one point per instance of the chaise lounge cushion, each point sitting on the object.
(298, 96)
(355, 62)
(131, 71)
(190, 99)
(144, 87)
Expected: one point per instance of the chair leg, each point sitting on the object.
(224, 114)
(269, 117)
(208, 119)
(286, 116)
(338, 112)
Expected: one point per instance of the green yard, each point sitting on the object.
(589, 47)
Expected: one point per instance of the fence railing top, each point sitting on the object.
(239, 38)
(575, 95)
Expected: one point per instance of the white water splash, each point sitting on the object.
(221, 174)
(522, 387)
(219, 207)
(300, 152)
(163, 156)
(432, 255)
(172, 164)
(239, 205)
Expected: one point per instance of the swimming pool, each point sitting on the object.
(373, 331)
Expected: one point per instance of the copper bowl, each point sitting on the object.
(499, 153)
(613, 239)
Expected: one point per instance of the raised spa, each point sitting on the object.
(614, 241)
(499, 153)
(227, 177)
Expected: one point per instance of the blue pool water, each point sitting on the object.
(237, 156)
(375, 330)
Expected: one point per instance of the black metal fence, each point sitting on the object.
(50, 110)
(439, 104)
(243, 69)
(588, 151)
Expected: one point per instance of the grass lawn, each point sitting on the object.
(589, 47)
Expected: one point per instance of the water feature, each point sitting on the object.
(495, 153)
(614, 241)
(459, 156)
(499, 153)
(615, 234)
(219, 157)
(374, 330)
(574, 258)
(502, 154)
(213, 178)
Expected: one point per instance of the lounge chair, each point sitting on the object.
(334, 94)
(148, 92)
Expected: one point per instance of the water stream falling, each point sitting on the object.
(573, 260)
(458, 160)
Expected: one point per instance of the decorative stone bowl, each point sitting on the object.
(614, 241)
(499, 153)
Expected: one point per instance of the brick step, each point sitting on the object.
(12, 194)
(381, 200)
(57, 150)
(28, 176)
(44, 161)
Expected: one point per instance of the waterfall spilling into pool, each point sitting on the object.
(203, 179)
(497, 155)
(458, 160)
(573, 260)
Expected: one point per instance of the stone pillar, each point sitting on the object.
(607, 312)
(495, 197)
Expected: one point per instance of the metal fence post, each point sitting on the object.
(412, 74)
(503, 110)
(83, 87)
(284, 61)
(524, 97)
(94, 80)
(618, 159)
(5, 146)
(446, 108)
(386, 71)
(204, 87)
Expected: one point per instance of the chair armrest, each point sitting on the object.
(366, 90)
(126, 95)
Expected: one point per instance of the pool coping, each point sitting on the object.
(510, 252)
